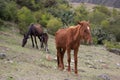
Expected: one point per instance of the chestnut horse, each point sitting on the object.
(69, 39)
(35, 30)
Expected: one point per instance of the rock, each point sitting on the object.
(105, 66)
(101, 61)
(72, 60)
(55, 58)
(48, 57)
(2, 55)
(9, 61)
(104, 77)
(118, 64)
(91, 66)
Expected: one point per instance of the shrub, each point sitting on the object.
(105, 23)
(42, 17)
(53, 25)
(99, 35)
(25, 18)
(8, 10)
(96, 17)
(110, 45)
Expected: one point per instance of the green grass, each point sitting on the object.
(111, 45)
(30, 63)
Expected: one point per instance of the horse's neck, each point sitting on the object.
(27, 35)
(77, 33)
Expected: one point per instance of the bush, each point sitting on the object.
(110, 45)
(42, 17)
(81, 13)
(8, 10)
(33, 5)
(105, 23)
(53, 25)
(25, 18)
(99, 35)
(96, 17)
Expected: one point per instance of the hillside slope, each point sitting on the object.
(30, 64)
(112, 3)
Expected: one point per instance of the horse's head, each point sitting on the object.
(24, 41)
(85, 31)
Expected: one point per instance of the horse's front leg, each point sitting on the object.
(75, 59)
(69, 59)
(32, 41)
(46, 47)
(36, 42)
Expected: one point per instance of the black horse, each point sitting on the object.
(35, 30)
(44, 40)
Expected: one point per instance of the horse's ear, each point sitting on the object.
(80, 23)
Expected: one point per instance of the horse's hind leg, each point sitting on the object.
(59, 58)
(62, 57)
(32, 41)
(41, 41)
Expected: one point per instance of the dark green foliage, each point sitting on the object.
(96, 17)
(8, 10)
(42, 17)
(103, 9)
(67, 17)
(110, 44)
(31, 4)
(114, 26)
(100, 35)
(53, 25)
(49, 3)
(54, 14)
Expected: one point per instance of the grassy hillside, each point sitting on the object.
(89, 6)
(112, 3)
(30, 64)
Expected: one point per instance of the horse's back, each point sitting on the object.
(61, 37)
(38, 28)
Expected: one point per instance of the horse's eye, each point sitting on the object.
(85, 31)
